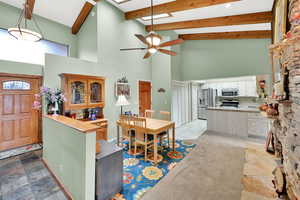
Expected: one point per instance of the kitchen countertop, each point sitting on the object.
(239, 109)
(73, 123)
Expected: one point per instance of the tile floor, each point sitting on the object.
(192, 130)
(25, 177)
(257, 173)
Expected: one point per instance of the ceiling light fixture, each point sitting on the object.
(120, 1)
(20, 32)
(159, 16)
(228, 5)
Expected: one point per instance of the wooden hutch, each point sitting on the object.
(85, 94)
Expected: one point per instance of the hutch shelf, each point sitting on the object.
(83, 91)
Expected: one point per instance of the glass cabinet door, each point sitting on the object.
(95, 88)
(78, 91)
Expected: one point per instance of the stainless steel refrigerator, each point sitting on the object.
(206, 98)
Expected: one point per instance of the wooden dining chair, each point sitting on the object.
(149, 113)
(127, 134)
(141, 137)
(164, 115)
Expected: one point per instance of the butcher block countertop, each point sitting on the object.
(73, 123)
(94, 121)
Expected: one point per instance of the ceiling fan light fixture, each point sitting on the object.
(153, 39)
(152, 50)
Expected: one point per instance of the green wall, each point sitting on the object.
(111, 64)
(87, 38)
(51, 30)
(71, 156)
(114, 32)
(161, 78)
(206, 59)
(20, 68)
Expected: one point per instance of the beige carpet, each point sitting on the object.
(212, 171)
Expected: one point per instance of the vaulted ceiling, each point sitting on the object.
(203, 16)
(62, 11)
(188, 16)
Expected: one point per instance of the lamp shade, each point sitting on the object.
(122, 101)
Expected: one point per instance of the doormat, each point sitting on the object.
(18, 151)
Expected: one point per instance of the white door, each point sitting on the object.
(194, 104)
(180, 103)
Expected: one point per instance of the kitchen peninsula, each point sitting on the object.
(241, 122)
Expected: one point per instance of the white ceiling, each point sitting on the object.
(236, 8)
(68, 10)
(246, 27)
(62, 11)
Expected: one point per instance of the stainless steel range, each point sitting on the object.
(230, 103)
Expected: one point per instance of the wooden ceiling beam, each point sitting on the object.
(84, 13)
(253, 18)
(227, 35)
(29, 8)
(174, 6)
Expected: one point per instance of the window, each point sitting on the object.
(16, 85)
(28, 52)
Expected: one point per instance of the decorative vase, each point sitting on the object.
(55, 109)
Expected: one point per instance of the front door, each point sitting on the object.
(19, 122)
(144, 96)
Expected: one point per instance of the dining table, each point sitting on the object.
(153, 127)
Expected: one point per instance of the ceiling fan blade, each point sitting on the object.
(172, 42)
(131, 49)
(142, 38)
(172, 53)
(147, 55)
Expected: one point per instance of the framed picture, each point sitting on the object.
(122, 89)
(280, 21)
(280, 26)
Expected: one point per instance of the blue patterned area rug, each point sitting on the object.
(140, 176)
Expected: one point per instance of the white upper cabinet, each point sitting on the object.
(246, 85)
(251, 88)
(242, 88)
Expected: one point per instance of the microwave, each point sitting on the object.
(230, 92)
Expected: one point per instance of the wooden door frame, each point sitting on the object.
(40, 84)
(138, 93)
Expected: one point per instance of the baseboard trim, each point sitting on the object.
(62, 187)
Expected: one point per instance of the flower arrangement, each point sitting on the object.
(53, 97)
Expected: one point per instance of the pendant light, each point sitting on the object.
(153, 39)
(21, 32)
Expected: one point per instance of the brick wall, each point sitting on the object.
(286, 129)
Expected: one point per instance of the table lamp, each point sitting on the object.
(122, 101)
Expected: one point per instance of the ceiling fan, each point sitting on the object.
(153, 42)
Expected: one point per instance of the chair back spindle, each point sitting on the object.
(149, 113)
(165, 115)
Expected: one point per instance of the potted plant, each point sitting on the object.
(54, 99)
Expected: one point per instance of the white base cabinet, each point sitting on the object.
(258, 126)
(239, 124)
